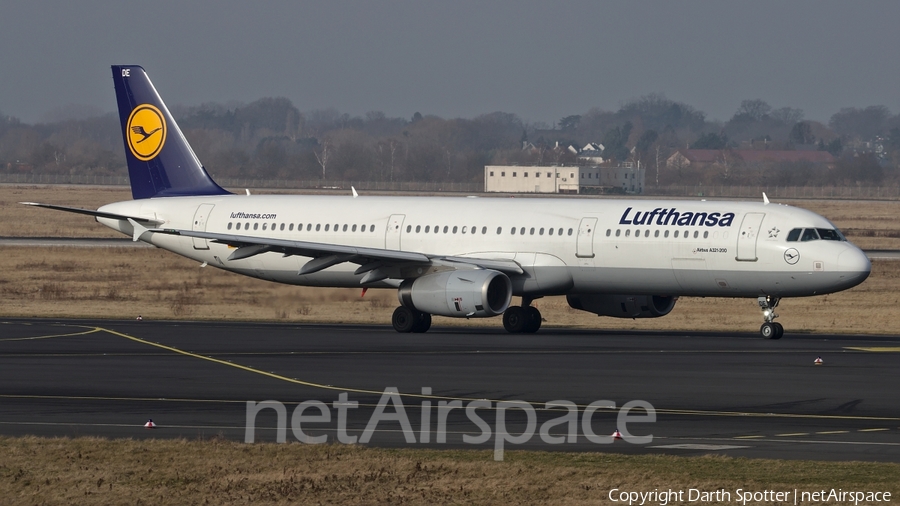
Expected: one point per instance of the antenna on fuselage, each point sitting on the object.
(765, 199)
(354, 192)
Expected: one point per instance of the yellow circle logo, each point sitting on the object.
(146, 132)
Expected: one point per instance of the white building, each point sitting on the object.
(593, 179)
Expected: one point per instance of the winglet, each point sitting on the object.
(765, 199)
(139, 230)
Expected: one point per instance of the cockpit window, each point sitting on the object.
(815, 234)
(809, 234)
(830, 234)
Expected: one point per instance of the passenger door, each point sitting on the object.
(746, 242)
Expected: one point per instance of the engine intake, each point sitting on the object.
(471, 293)
(623, 306)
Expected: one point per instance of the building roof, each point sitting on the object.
(756, 156)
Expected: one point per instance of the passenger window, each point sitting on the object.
(531, 232)
(550, 231)
(437, 229)
(618, 232)
(327, 225)
(675, 235)
(281, 227)
(696, 234)
(408, 228)
(484, 230)
(541, 231)
(463, 230)
(454, 229)
(309, 227)
(513, 231)
(705, 234)
(418, 228)
(809, 234)
(608, 232)
(794, 235)
(291, 227)
(371, 228)
(427, 228)
(656, 233)
(344, 228)
(445, 228)
(335, 227)
(666, 233)
(318, 226)
(255, 226)
(647, 233)
(628, 233)
(229, 225)
(499, 229)
(264, 226)
(353, 228)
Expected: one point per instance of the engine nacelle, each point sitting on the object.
(623, 306)
(470, 293)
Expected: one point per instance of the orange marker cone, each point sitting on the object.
(617, 434)
(818, 361)
(150, 424)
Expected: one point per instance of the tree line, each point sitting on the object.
(270, 138)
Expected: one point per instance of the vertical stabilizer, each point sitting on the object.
(161, 163)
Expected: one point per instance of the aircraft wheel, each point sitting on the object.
(405, 319)
(514, 320)
(423, 323)
(533, 319)
(769, 330)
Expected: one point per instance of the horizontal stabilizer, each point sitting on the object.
(96, 214)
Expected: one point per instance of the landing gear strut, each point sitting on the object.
(523, 319)
(407, 320)
(770, 329)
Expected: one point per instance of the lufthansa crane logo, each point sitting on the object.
(146, 132)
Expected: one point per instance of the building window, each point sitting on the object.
(514, 174)
(537, 174)
(503, 174)
(492, 173)
(525, 174)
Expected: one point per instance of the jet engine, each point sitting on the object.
(463, 293)
(623, 306)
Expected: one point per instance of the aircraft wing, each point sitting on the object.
(96, 214)
(376, 263)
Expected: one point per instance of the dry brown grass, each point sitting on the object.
(167, 472)
(122, 283)
(126, 282)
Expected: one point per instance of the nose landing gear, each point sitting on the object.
(770, 329)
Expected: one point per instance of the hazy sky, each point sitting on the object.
(540, 60)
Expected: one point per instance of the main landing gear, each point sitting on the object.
(407, 320)
(523, 319)
(770, 329)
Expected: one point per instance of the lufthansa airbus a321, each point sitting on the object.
(468, 257)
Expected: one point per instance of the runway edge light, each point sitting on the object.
(150, 424)
(818, 361)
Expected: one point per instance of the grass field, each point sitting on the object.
(166, 472)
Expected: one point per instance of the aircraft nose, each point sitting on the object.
(855, 265)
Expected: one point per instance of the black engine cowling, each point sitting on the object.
(623, 306)
(465, 293)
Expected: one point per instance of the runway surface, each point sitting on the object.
(733, 394)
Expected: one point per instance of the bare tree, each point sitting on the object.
(322, 153)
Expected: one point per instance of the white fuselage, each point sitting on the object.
(565, 246)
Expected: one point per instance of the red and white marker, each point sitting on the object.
(150, 424)
(617, 434)
(818, 361)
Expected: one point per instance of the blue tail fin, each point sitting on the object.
(161, 163)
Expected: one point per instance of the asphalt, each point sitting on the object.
(732, 393)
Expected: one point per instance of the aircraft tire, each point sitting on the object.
(423, 323)
(779, 331)
(404, 319)
(533, 320)
(514, 320)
